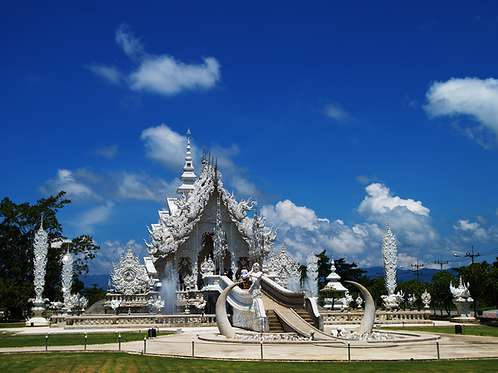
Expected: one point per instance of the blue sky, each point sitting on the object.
(338, 119)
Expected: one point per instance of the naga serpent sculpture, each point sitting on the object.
(368, 319)
(222, 321)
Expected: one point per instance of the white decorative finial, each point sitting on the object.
(188, 176)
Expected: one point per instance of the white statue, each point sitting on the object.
(156, 304)
(40, 250)
(462, 299)
(411, 300)
(393, 302)
(359, 301)
(207, 267)
(426, 299)
(115, 303)
(257, 302)
(282, 268)
(390, 255)
(67, 280)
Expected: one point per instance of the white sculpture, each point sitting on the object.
(393, 302)
(282, 268)
(257, 302)
(390, 255)
(40, 250)
(220, 241)
(115, 304)
(411, 300)
(311, 283)
(207, 267)
(462, 300)
(129, 276)
(335, 285)
(359, 301)
(67, 280)
(156, 304)
(426, 299)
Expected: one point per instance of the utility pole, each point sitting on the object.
(472, 255)
(441, 263)
(416, 268)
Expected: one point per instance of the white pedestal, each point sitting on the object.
(37, 321)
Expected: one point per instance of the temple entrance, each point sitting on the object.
(227, 263)
(205, 252)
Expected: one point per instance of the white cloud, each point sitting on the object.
(109, 73)
(243, 186)
(380, 200)
(67, 181)
(470, 230)
(130, 44)
(87, 221)
(165, 145)
(287, 213)
(336, 112)
(167, 76)
(144, 187)
(161, 74)
(477, 98)
(304, 233)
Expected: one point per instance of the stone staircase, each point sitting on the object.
(304, 315)
(274, 322)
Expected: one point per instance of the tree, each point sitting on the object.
(303, 274)
(478, 275)
(323, 264)
(18, 223)
(413, 287)
(440, 291)
(349, 271)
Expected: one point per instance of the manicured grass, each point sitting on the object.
(482, 330)
(116, 362)
(10, 340)
(5, 325)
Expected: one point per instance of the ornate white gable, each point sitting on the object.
(129, 276)
(175, 226)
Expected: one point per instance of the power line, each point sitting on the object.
(469, 254)
(441, 263)
(416, 268)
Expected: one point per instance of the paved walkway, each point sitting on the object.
(450, 347)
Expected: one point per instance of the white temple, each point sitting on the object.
(204, 221)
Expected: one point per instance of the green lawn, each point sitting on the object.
(116, 362)
(5, 325)
(482, 330)
(10, 340)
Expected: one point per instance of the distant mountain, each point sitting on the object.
(100, 280)
(425, 274)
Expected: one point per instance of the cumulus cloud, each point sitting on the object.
(473, 97)
(288, 214)
(336, 112)
(304, 233)
(379, 200)
(161, 74)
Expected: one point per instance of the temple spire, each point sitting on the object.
(188, 176)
